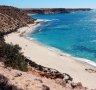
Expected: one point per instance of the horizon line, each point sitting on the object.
(51, 7)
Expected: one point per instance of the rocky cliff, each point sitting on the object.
(53, 10)
(12, 18)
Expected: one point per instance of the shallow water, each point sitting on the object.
(73, 33)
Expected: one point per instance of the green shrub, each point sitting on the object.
(13, 56)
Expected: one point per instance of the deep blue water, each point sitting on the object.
(73, 33)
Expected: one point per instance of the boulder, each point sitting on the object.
(44, 87)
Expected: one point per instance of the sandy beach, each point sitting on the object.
(48, 58)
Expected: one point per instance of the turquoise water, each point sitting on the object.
(73, 33)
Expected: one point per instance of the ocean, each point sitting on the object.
(73, 34)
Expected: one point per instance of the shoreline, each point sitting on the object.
(59, 52)
(56, 50)
(52, 59)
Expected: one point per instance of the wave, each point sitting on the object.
(61, 53)
(50, 19)
(29, 38)
(86, 60)
(57, 51)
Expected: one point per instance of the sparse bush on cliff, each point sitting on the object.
(1, 39)
(4, 84)
(11, 19)
(13, 56)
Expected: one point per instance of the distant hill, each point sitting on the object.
(53, 10)
(12, 18)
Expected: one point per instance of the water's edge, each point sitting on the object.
(56, 50)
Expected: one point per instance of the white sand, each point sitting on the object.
(51, 59)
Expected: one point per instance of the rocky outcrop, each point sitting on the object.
(63, 79)
(53, 10)
(12, 18)
(18, 80)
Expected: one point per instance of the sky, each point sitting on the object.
(50, 3)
